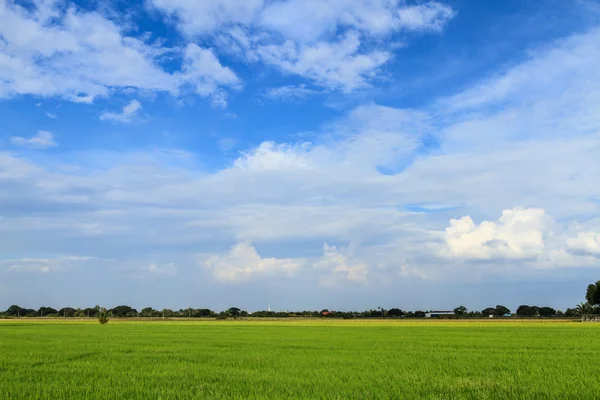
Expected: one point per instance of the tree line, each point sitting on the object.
(589, 307)
(124, 311)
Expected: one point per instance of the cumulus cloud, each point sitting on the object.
(243, 261)
(518, 234)
(125, 116)
(41, 140)
(585, 243)
(537, 151)
(49, 50)
(338, 263)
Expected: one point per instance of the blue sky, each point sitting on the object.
(343, 154)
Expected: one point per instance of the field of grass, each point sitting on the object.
(299, 359)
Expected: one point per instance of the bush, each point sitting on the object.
(103, 316)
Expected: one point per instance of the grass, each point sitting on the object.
(299, 359)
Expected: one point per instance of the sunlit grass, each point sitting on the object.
(298, 359)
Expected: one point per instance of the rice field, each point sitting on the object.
(299, 360)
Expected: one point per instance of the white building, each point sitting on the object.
(434, 314)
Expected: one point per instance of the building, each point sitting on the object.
(435, 314)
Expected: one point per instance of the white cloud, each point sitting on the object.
(585, 243)
(243, 262)
(199, 17)
(125, 116)
(271, 156)
(202, 68)
(518, 234)
(51, 115)
(339, 263)
(290, 92)
(334, 65)
(308, 20)
(41, 140)
(43, 265)
(299, 36)
(539, 152)
(81, 55)
(169, 269)
(427, 16)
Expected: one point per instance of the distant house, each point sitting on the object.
(326, 313)
(435, 314)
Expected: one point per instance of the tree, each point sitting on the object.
(593, 294)
(527, 311)
(123, 311)
(234, 312)
(91, 312)
(489, 311)
(584, 309)
(16, 311)
(150, 312)
(460, 311)
(103, 316)
(395, 312)
(501, 311)
(43, 311)
(547, 312)
(66, 312)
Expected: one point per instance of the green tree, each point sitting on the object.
(395, 312)
(489, 311)
(16, 311)
(501, 311)
(527, 311)
(593, 294)
(66, 312)
(584, 309)
(44, 311)
(103, 316)
(460, 311)
(234, 312)
(149, 312)
(124, 311)
(547, 312)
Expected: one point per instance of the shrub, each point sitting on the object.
(103, 316)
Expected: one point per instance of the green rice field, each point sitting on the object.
(299, 360)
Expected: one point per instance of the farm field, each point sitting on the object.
(299, 359)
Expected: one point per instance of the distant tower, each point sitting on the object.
(269, 308)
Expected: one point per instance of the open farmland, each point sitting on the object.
(299, 359)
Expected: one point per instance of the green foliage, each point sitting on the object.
(593, 294)
(395, 312)
(103, 316)
(460, 311)
(488, 311)
(547, 312)
(45, 311)
(123, 311)
(527, 311)
(318, 359)
(501, 311)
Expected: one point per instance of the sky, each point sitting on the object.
(303, 154)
